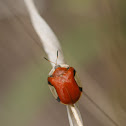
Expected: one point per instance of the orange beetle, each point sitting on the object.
(63, 83)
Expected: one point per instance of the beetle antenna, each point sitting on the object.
(57, 57)
(49, 60)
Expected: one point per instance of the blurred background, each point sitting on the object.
(92, 35)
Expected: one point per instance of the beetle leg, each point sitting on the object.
(51, 76)
(80, 88)
(58, 99)
(74, 72)
(50, 83)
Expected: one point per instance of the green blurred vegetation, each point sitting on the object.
(28, 93)
(92, 34)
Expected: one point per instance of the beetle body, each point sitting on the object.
(64, 85)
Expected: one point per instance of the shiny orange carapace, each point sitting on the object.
(63, 80)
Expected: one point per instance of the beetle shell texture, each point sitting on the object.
(64, 84)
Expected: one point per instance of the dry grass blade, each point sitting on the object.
(51, 45)
(74, 115)
(45, 33)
